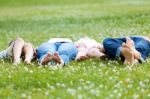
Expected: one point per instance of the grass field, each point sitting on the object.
(38, 20)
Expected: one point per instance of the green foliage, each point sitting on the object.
(38, 20)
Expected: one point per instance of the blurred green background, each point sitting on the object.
(38, 20)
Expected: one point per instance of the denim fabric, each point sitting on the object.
(112, 46)
(7, 53)
(3, 54)
(45, 48)
(142, 45)
(67, 51)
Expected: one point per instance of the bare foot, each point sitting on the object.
(128, 55)
(130, 44)
(81, 58)
(47, 59)
(103, 57)
(17, 50)
(27, 62)
(94, 52)
(28, 52)
(56, 58)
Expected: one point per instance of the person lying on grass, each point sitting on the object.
(88, 47)
(57, 51)
(18, 49)
(131, 50)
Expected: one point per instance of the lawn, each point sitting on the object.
(38, 20)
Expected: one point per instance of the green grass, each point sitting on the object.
(38, 20)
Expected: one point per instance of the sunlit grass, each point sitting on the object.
(37, 21)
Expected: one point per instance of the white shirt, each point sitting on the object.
(90, 43)
(54, 40)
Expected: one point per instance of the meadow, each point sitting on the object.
(39, 20)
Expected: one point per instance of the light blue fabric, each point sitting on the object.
(3, 54)
(67, 51)
(45, 48)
